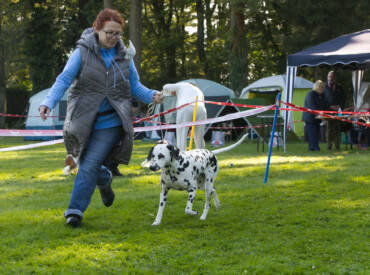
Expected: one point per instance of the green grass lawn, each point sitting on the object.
(312, 217)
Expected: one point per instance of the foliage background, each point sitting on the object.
(231, 42)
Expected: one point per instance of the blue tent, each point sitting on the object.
(54, 122)
(349, 51)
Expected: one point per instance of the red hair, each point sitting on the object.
(107, 15)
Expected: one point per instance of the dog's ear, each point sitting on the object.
(175, 152)
(146, 162)
(162, 141)
(150, 154)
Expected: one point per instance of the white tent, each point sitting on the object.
(272, 84)
(55, 121)
(276, 82)
(363, 97)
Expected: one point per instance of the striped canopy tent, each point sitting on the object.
(349, 51)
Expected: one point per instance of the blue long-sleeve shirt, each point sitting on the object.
(70, 71)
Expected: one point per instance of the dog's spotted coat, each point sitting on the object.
(190, 170)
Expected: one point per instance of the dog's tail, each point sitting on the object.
(228, 148)
(215, 199)
(168, 88)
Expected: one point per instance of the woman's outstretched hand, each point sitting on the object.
(158, 97)
(44, 112)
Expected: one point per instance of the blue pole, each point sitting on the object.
(272, 136)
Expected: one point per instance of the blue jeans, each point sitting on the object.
(91, 170)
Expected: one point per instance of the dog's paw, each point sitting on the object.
(203, 217)
(155, 223)
(67, 171)
(191, 212)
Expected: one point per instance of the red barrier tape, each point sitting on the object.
(295, 108)
(4, 132)
(322, 113)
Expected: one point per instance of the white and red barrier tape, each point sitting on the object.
(33, 145)
(257, 110)
(206, 121)
(324, 114)
(14, 133)
(30, 133)
(296, 108)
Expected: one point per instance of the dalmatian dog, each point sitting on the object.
(189, 171)
(185, 93)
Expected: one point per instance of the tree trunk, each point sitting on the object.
(238, 56)
(169, 48)
(200, 35)
(2, 80)
(82, 19)
(209, 11)
(135, 29)
(108, 4)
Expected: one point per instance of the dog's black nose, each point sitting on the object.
(154, 167)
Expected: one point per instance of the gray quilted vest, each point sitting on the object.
(93, 84)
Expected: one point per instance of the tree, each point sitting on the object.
(13, 70)
(108, 4)
(135, 29)
(307, 23)
(41, 42)
(238, 54)
(200, 35)
(2, 75)
(206, 34)
(236, 41)
(163, 39)
(264, 41)
(72, 19)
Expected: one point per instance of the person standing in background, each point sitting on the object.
(335, 97)
(314, 100)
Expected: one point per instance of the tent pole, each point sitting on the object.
(288, 96)
(356, 82)
(272, 135)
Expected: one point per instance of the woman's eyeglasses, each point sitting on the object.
(113, 34)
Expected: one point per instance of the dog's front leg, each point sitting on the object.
(189, 205)
(162, 203)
